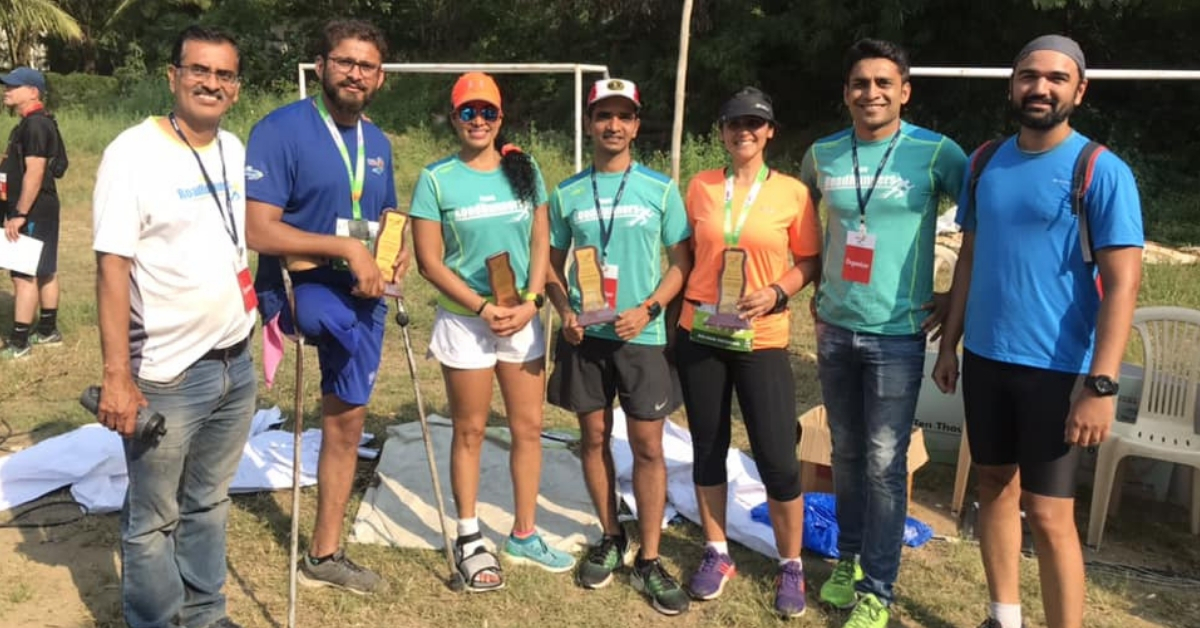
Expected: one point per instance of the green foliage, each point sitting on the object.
(79, 90)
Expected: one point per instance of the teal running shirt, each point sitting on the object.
(480, 217)
(651, 216)
(901, 213)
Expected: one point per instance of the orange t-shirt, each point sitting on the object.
(782, 225)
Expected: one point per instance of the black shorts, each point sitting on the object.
(587, 377)
(1018, 415)
(47, 232)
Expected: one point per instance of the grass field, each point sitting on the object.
(69, 576)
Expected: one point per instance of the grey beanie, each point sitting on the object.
(1057, 43)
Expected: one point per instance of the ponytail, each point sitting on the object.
(518, 169)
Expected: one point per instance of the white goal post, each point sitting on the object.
(578, 69)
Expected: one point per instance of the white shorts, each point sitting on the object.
(466, 342)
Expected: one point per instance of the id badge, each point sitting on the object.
(364, 231)
(611, 275)
(246, 285)
(3, 186)
(860, 255)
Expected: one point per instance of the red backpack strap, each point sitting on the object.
(979, 161)
(1081, 179)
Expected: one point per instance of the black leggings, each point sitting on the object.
(766, 393)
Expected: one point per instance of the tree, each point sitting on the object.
(23, 23)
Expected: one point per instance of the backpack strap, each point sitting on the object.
(979, 161)
(1081, 179)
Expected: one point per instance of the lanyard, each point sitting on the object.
(732, 233)
(606, 230)
(357, 174)
(864, 199)
(227, 218)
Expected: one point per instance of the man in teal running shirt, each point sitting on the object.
(879, 183)
(617, 216)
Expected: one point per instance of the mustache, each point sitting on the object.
(1039, 100)
(201, 90)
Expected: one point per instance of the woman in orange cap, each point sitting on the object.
(482, 238)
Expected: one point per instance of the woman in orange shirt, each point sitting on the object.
(756, 241)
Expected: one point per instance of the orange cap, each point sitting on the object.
(475, 86)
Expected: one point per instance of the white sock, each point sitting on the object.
(722, 547)
(467, 527)
(1009, 615)
(784, 561)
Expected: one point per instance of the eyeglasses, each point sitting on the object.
(199, 72)
(346, 65)
(468, 113)
(747, 123)
(605, 116)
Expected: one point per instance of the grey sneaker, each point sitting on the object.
(13, 352)
(53, 338)
(339, 572)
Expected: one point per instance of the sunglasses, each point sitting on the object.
(748, 123)
(468, 113)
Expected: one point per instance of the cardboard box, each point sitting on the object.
(816, 450)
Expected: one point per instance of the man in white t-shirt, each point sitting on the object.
(176, 309)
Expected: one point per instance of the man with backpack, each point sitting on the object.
(1042, 213)
(32, 161)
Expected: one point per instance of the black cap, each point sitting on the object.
(750, 101)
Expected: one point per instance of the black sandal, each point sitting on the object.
(480, 562)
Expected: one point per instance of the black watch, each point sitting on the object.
(653, 309)
(539, 300)
(1102, 385)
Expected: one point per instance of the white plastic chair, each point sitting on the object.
(1165, 428)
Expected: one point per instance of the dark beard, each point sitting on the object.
(349, 107)
(1059, 112)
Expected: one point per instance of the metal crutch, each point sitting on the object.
(298, 416)
(455, 582)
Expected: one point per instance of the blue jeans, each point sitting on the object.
(870, 385)
(173, 521)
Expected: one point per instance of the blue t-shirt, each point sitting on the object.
(650, 217)
(480, 217)
(1033, 300)
(923, 168)
(293, 163)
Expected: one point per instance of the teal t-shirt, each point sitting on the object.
(902, 214)
(480, 217)
(651, 216)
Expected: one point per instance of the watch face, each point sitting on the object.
(1103, 385)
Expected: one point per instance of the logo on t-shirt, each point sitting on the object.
(633, 215)
(889, 186)
(489, 207)
(252, 173)
(376, 164)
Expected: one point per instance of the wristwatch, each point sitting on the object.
(1102, 385)
(538, 299)
(653, 309)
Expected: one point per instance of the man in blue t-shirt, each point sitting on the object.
(617, 216)
(318, 176)
(879, 183)
(1036, 325)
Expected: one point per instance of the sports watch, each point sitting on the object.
(653, 309)
(1102, 385)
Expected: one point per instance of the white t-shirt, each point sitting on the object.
(151, 204)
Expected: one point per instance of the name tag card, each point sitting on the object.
(860, 255)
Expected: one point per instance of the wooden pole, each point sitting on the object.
(685, 31)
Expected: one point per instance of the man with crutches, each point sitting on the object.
(318, 178)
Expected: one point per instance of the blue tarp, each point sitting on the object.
(821, 527)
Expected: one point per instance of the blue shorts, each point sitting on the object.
(349, 335)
